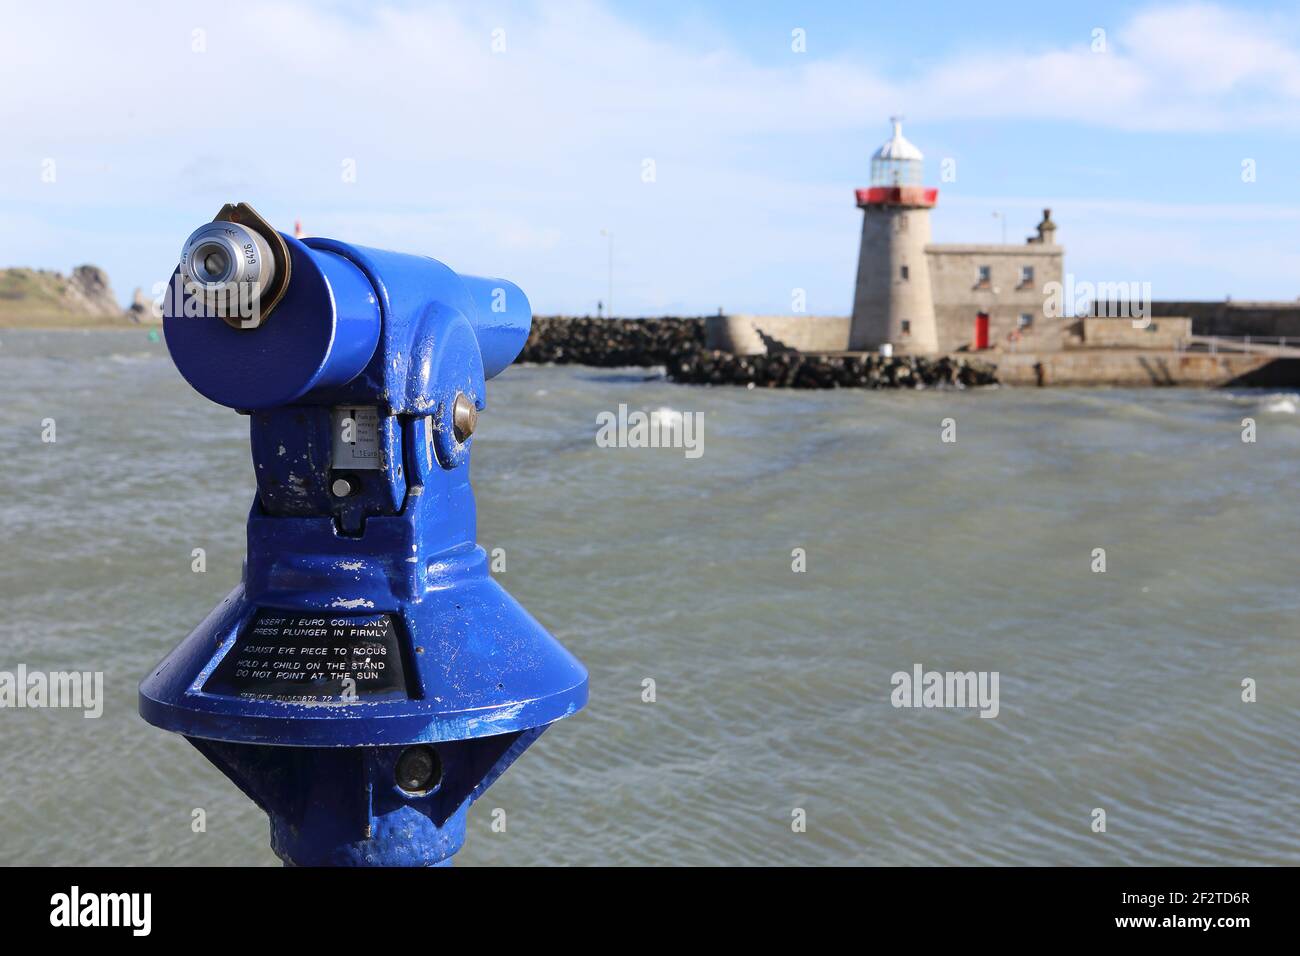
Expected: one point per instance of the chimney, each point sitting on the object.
(1046, 230)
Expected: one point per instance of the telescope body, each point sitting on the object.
(367, 679)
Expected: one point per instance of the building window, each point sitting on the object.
(1025, 321)
(907, 327)
(1026, 275)
(985, 275)
(902, 273)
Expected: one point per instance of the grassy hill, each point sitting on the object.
(31, 298)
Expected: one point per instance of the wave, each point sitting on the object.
(1282, 403)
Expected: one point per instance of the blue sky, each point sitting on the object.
(126, 130)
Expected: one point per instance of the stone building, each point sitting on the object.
(917, 296)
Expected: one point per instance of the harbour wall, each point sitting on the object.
(748, 334)
(1230, 318)
(1141, 368)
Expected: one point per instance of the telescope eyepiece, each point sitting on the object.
(228, 257)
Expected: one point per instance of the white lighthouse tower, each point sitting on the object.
(892, 303)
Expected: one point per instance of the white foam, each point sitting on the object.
(1284, 404)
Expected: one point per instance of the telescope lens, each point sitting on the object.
(212, 263)
(215, 263)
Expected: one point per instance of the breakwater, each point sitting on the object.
(800, 370)
(678, 344)
(611, 343)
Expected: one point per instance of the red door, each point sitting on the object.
(982, 330)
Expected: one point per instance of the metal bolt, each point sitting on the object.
(418, 769)
(464, 417)
(342, 487)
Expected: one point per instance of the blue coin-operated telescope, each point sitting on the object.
(367, 680)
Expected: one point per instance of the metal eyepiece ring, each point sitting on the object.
(230, 264)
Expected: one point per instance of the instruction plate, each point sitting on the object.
(309, 658)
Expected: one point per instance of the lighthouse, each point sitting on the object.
(893, 303)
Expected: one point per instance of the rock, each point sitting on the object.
(611, 343)
(88, 292)
(142, 309)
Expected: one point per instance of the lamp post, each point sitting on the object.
(609, 299)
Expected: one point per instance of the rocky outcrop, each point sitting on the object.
(88, 291)
(41, 298)
(142, 309)
(678, 345)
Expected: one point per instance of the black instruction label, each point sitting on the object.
(312, 658)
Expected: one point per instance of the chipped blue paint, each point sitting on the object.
(404, 334)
